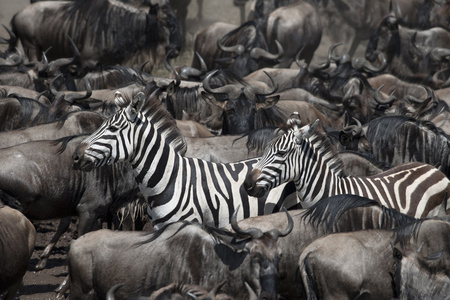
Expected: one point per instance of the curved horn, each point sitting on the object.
(74, 97)
(43, 65)
(335, 58)
(297, 59)
(12, 37)
(188, 72)
(52, 89)
(236, 49)
(363, 64)
(112, 290)
(275, 233)
(257, 53)
(270, 91)
(255, 233)
(231, 91)
(9, 63)
(327, 63)
(141, 72)
(389, 100)
(419, 50)
(170, 68)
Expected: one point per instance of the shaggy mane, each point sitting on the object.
(163, 120)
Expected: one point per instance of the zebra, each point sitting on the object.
(306, 158)
(176, 187)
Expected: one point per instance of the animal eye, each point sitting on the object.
(282, 152)
(113, 128)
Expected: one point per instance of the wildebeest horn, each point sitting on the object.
(270, 91)
(297, 59)
(188, 72)
(257, 53)
(112, 290)
(255, 233)
(140, 76)
(43, 65)
(436, 75)
(170, 68)
(430, 97)
(389, 100)
(327, 63)
(275, 233)
(419, 50)
(251, 293)
(72, 98)
(229, 89)
(12, 37)
(336, 58)
(361, 63)
(236, 49)
(9, 63)
(52, 89)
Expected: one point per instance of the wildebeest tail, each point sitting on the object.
(307, 279)
(12, 41)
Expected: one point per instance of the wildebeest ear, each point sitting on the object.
(135, 106)
(269, 102)
(170, 89)
(210, 99)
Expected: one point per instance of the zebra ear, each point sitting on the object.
(310, 129)
(135, 106)
(119, 100)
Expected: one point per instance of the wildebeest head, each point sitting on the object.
(248, 49)
(265, 256)
(385, 39)
(245, 107)
(169, 23)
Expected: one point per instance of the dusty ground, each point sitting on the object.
(41, 285)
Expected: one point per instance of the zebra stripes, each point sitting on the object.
(176, 187)
(301, 156)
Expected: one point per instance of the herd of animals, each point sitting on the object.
(264, 175)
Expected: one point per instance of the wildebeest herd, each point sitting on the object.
(266, 168)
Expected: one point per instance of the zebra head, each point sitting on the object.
(279, 163)
(111, 142)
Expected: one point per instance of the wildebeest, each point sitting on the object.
(39, 176)
(17, 236)
(180, 252)
(296, 27)
(74, 123)
(398, 45)
(362, 263)
(306, 158)
(341, 213)
(241, 49)
(364, 16)
(245, 107)
(105, 32)
(394, 140)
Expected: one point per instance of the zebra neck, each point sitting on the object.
(154, 169)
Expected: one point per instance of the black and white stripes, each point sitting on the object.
(305, 158)
(176, 187)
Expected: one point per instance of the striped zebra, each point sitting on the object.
(175, 187)
(306, 158)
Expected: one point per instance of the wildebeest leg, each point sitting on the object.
(355, 43)
(12, 290)
(62, 288)
(200, 10)
(63, 227)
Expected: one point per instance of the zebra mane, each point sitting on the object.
(321, 146)
(163, 121)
